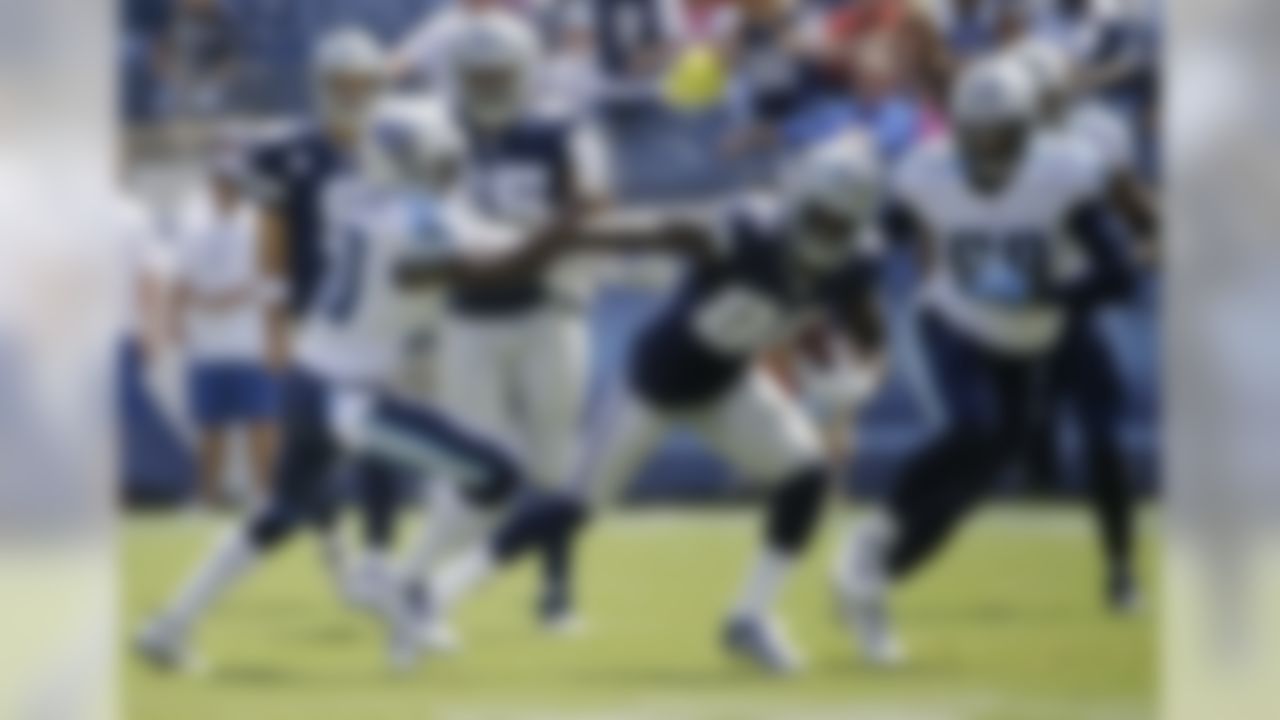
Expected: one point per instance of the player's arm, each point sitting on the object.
(688, 238)
(1111, 275)
(1136, 204)
(551, 243)
(526, 260)
(273, 264)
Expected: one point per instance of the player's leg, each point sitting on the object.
(471, 388)
(940, 482)
(551, 381)
(432, 444)
(369, 581)
(612, 454)
(945, 479)
(307, 453)
(767, 436)
(1087, 368)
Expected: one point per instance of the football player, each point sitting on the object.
(513, 358)
(999, 212)
(392, 231)
(291, 172)
(766, 271)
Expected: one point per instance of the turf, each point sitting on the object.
(1008, 625)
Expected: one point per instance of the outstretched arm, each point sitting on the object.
(683, 236)
(527, 260)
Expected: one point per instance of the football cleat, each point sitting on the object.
(762, 642)
(369, 585)
(1124, 597)
(557, 616)
(163, 646)
(862, 589)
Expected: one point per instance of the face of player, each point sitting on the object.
(345, 99)
(822, 236)
(992, 153)
(492, 94)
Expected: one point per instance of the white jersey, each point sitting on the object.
(218, 255)
(362, 322)
(995, 256)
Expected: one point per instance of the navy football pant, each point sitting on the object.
(1088, 387)
(989, 401)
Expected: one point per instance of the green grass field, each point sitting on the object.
(1008, 625)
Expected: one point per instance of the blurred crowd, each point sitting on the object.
(789, 70)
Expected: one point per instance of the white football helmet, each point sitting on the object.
(993, 106)
(992, 92)
(829, 197)
(412, 140)
(348, 70)
(492, 59)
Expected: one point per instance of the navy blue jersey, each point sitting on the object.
(290, 174)
(523, 176)
(729, 309)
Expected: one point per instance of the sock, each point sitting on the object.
(452, 523)
(459, 578)
(763, 583)
(1113, 506)
(378, 499)
(230, 559)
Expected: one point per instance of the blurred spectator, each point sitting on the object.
(634, 42)
(969, 27)
(897, 33)
(873, 97)
(221, 310)
(774, 48)
(201, 58)
(143, 23)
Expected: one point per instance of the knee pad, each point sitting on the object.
(499, 482)
(794, 510)
(273, 526)
(541, 521)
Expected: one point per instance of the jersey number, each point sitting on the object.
(737, 321)
(1011, 268)
(343, 274)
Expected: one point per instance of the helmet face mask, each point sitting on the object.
(346, 97)
(829, 194)
(823, 236)
(490, 65)
(994, 110)
(993, 152)
(492, 93)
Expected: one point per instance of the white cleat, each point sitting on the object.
(369, 586)
(413, 629)
(764, 643)
(164, 647)
(862, 592)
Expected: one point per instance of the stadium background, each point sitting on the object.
(658, 155)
